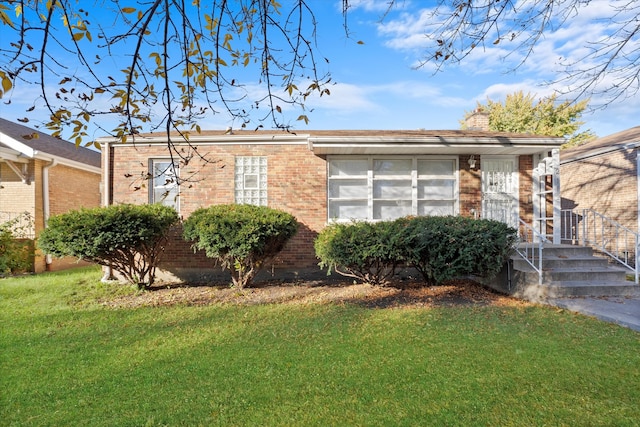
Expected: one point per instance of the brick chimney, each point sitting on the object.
(478, 120)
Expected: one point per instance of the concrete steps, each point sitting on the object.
(569, 270)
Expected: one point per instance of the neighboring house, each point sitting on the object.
(602, 176)
(42, 176)
(326, 176)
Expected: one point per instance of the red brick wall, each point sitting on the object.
(525, 181)
(296, 183)
(470, 187)
(71, 188)
(605, 183)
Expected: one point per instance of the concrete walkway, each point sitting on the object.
(620, 310)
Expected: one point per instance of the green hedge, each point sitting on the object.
(129, 238)
(440, 248)
(16, 255)
(367, 251)
(16, 248)
(241, 238)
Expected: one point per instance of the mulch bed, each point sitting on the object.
(399, 295)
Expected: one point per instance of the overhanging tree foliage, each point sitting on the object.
(608, 66)
(181, 60)
(178, 60)
(522, 113)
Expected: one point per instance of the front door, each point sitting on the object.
(500, 189)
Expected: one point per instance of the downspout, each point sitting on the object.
(106, 169)
(46, 208)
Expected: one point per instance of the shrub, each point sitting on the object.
(367, 251)
(241, 238)
(442, 248)
(16, 251)
(129, 238)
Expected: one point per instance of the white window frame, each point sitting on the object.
(371, 179)
(169, 184)
(256, 193)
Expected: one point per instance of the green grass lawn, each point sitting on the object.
(66, 360)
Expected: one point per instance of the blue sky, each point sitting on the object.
(376, 86)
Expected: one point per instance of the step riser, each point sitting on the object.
(567, 251)
(521, 264)
(528, 286)
(551, 279)
(596, 276)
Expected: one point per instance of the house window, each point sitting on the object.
(165, 188)
(251, 180)
(379, 188)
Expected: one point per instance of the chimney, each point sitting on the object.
(478, 120)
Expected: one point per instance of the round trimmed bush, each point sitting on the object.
(241, 238)
(129, 238)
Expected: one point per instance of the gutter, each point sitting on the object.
(46, 208)
(106, 169)
(598, 152)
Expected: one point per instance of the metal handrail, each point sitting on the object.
(529, 246)
(20, 224)
(587, 227)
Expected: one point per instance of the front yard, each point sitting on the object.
(78, 352)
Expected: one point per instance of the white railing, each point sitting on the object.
(529, 246)
(587, 227)
(20, 224)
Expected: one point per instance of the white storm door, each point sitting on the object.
(500, 189)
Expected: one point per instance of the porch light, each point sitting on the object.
(472, 162)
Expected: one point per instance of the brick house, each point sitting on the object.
(44, 176)
(325, 176)
(602, 175)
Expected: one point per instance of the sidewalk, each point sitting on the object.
(620, 310)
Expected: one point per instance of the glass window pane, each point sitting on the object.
(164, 183)
(348, 209)
(433, 207)
(392, 167)
(250, 181)
(391, 209)
(349, 167)
(436, 167)
(392, 189)
(435, 189)
(348, 188)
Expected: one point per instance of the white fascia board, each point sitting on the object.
(599, 152)
(70, 163)
(385, 145)
(232, 139)
(18, 146)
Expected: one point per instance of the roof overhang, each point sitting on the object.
(16, 146)
(17, 153)
(432, 145)
(368, 144)
(585, 154)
